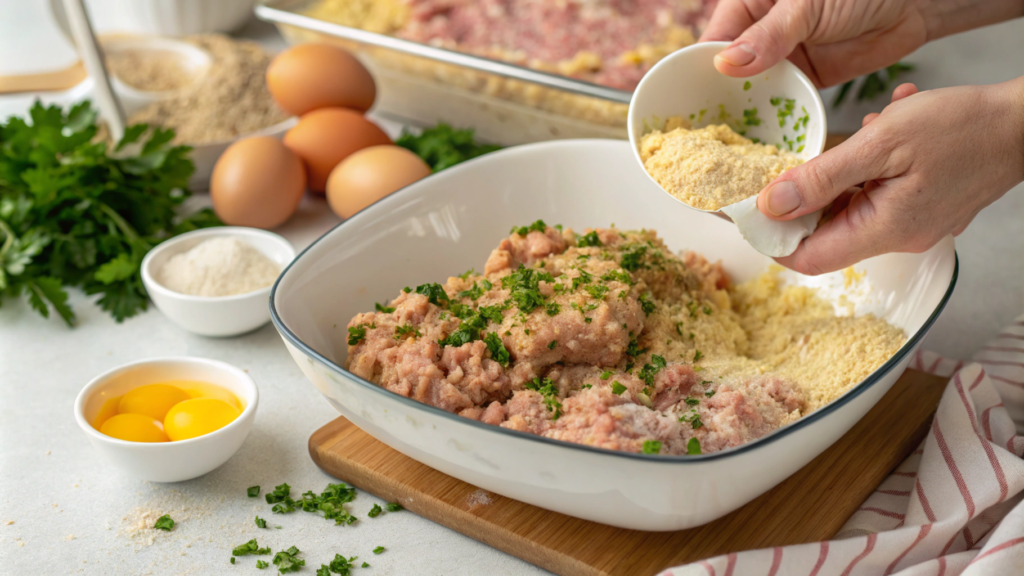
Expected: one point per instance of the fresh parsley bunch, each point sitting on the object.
(443, 146)
(76, 212)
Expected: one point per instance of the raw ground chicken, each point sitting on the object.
(610, 340)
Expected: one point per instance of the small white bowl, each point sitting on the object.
(215, 315)
(168, 461)
(686, 82)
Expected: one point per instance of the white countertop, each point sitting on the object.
(62, 509)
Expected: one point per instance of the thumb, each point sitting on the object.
(769, 40)
(815, 184)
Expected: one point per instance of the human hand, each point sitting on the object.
(927, 165)
(833, 41)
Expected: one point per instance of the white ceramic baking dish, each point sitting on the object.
(449, 222)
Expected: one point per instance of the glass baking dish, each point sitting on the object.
(422, 85)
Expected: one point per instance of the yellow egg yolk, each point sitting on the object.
(153, 400)
(134, 428)
(198, 416)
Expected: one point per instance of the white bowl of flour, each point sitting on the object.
(216, 281)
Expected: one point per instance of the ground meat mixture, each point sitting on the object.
(609, 42)
(609, 339)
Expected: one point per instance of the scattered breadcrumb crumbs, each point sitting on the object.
(710, 167)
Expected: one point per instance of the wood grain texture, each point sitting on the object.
(809, 506)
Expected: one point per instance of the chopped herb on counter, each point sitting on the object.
(651, 447)
(280, 492)
(286, 560)
(260, 522)
(250, 547)
(375, 511)
(394, 507)
(232, 560)
(443, 146)
(366, 564)
(252, 491)
(693, 447)
(261, 564)
(746, 85)
(618, 388)
(378, 549)
(76, 211)
(164, 523)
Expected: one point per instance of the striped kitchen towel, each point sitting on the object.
(953, 507)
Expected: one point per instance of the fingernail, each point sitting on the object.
(738, 55)
(782, 198)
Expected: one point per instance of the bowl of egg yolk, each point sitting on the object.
(168, 419)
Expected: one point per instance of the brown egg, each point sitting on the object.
(257, 182)
(311, 76)
(371, 174)
(327, 136)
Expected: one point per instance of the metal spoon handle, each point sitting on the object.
(91, 54)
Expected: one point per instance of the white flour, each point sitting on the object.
(218, 267)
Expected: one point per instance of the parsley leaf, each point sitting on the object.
(164, 523)
(394, 507)
(260, 522)
(74, 213)
(406, 330)
(286, 560)
(383, 308)
(646, 304)
(435, 294)
(588, 239)
(356, 334)
(546, 388)
(538, 226)
(443, 146)
(693, 447)
(651, 446)
(378, 549)
(618, 388)
(280, 492)
(606, 374)
(524, 288)
(252, 491)
(250, 547)
(261, 564)
(375, 511)
(341, 565)
(497, 348)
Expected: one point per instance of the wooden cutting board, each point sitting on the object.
(809, 506)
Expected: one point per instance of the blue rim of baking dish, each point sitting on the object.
(805, 421)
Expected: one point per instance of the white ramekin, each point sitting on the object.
(168, 461)
(215, 315)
